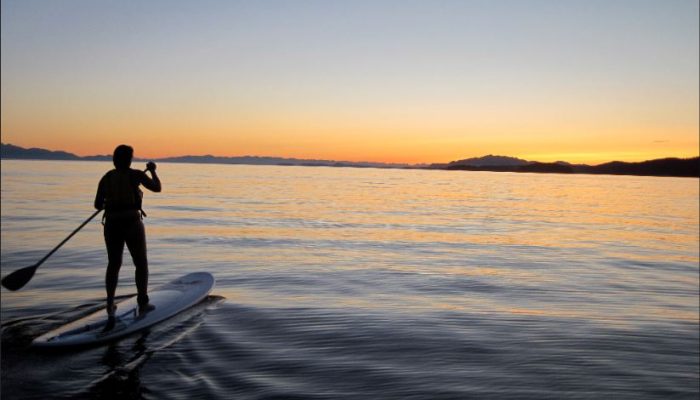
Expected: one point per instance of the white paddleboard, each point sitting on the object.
(167, 300)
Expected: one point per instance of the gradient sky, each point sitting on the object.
(395, 81)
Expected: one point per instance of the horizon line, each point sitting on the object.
(348, 161)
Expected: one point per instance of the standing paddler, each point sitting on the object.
(119, 195)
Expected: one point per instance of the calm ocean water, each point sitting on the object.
(340, 283)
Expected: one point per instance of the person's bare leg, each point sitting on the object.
(115, 249)
(136, 243)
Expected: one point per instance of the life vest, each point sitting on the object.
(121, 192)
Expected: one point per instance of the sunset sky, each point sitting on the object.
(394, 81)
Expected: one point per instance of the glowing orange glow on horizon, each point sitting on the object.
(416, 152)
(376, 141)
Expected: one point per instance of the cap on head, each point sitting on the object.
(122, 156)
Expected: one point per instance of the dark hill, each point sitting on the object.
(12, 151)
(488, 161)
(683, 167)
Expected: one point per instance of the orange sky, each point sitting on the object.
(390, 135)
(362, 81)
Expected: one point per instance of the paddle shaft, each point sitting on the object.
(67, 238)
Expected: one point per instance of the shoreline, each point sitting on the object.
(537, 169)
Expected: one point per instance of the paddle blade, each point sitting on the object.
(19, 278)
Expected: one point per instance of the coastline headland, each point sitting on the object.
(671, 167)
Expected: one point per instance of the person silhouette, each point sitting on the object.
(118, 194)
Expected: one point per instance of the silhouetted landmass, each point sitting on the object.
(558, 168)
(689, 167)
(256, 160)
(683, 167)
(489, 161)
(12, 151)
(106, 157)
(490, 168)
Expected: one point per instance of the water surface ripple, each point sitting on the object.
(341, 283)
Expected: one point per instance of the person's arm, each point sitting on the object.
(100, 195)
(152, 183)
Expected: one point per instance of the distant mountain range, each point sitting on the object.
(256, 160)
(689, 167)
(9, 151)
(12, 151)
(680, 167)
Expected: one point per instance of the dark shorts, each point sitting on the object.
(127, 230)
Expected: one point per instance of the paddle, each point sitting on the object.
(20, 277)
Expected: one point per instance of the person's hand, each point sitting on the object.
(151, 166)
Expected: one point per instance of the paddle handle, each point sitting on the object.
(67, 238)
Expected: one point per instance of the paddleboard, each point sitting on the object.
(167, 300)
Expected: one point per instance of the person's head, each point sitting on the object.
(122, 156)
